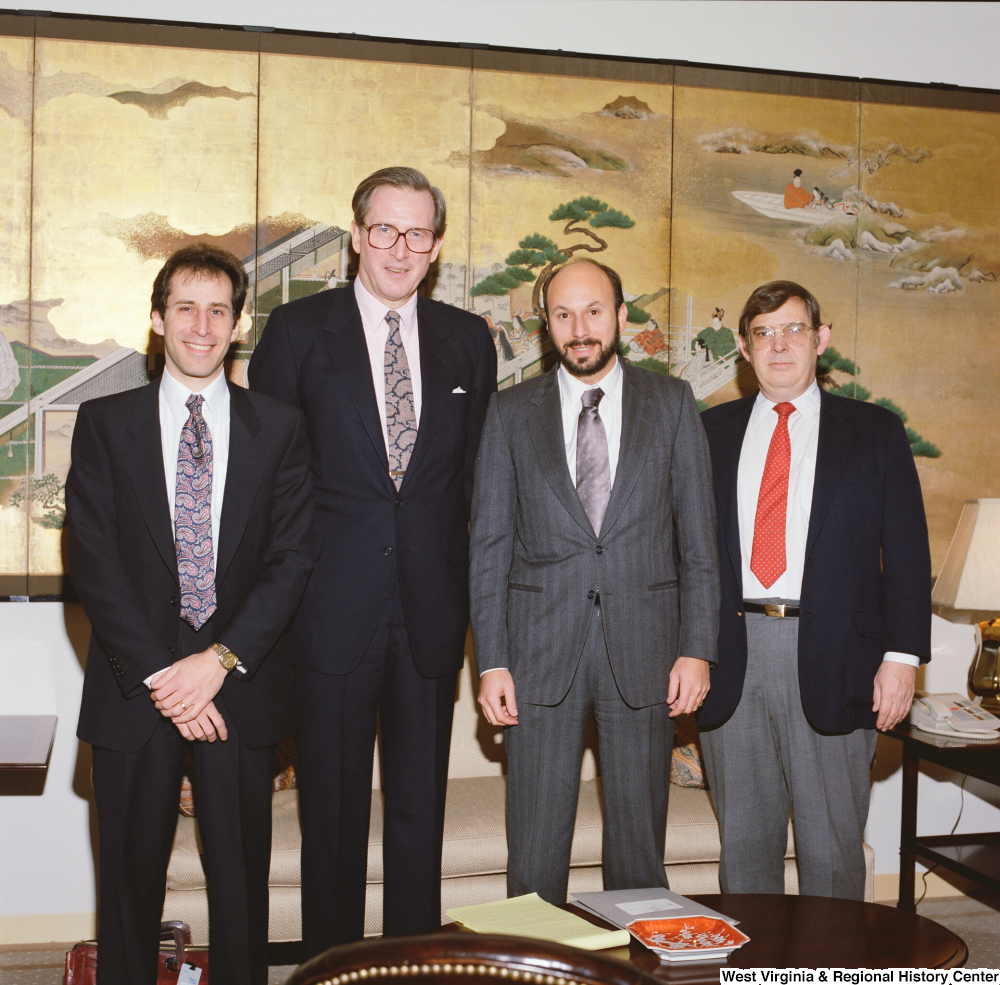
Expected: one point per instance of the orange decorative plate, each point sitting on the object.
(683, 936)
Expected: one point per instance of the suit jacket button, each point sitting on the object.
(387, 551)
(399, 502)
(600, 550)
(591, 594)
(173, 600)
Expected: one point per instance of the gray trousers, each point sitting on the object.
(766, 760)
(544, 754)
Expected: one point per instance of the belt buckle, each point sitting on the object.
(774, 609)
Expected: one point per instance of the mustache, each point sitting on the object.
(582, 343)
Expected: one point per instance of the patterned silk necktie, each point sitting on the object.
(400, 417)
(767, 560)
(193, 518)
(593, 467)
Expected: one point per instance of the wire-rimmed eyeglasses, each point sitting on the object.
(384, 237)
(794, 333)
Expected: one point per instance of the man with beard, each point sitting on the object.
(594, 586)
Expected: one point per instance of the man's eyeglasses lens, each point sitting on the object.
(794, 333)
(383, 237)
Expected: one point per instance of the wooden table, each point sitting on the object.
(25, 747)
(975, 856)
(812, 932)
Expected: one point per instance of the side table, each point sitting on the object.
(25, 746)
(975, 856)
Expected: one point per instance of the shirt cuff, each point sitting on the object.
(901, 658)
(490, 671)
(152, 677)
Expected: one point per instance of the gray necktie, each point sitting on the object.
(593, 468)
(400, 417)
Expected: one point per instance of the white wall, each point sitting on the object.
(954, 43)
(46, 860)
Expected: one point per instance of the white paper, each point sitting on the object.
(190, 975)
(636, 907)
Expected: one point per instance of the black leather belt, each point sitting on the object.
(776, 609)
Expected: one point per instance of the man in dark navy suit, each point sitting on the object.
(189, 518)
(394, 388)
(826, 606)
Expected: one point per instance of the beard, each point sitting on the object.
(595, 363)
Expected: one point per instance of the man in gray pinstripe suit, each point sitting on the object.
(594, 584)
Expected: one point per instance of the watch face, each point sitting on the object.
(226, 657)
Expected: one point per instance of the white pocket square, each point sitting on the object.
(458, 389)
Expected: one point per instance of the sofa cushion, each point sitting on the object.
(475, 839)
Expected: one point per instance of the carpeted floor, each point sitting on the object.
(976, 921)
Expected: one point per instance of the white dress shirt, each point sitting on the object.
(803, 434)
(373, 314)
(173, 416)
(571, 390)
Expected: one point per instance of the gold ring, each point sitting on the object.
(184, 707)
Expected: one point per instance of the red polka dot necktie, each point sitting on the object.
(767, 561)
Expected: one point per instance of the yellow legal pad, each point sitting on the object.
(531, 916)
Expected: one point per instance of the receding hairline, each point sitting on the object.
(581, 262)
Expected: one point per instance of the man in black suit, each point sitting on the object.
(394, 387)
(826, 606)
(189, 517)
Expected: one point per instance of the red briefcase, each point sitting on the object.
(81, 962)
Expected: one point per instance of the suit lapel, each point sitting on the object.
(145, 469)
(243, 475)
(728, 444)
(550, 448)
(836, 436)
(349, 352)
(636, 434)
(434, 382)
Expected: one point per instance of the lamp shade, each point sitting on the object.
(970, 575)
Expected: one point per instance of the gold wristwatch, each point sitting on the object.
(227, 658)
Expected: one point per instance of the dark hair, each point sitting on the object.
(409, 178)
(613, 278)
(771, 296)
(201, 258)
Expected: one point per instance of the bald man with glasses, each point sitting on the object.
(394, 388)
(826, 606)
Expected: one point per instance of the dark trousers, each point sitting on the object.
(544, 754)
(137, 796)
(336, 746)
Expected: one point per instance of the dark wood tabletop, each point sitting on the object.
(812, 932)
(976, 757)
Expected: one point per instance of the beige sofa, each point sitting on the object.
(475, 846)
